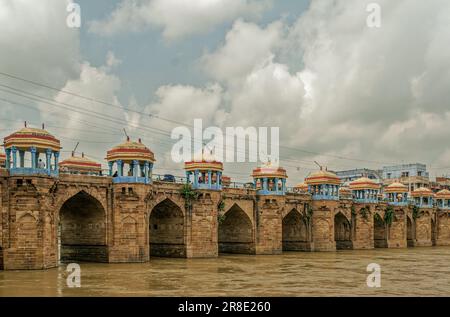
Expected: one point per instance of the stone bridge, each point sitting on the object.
(46, 220)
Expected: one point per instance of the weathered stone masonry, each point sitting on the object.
(88, 218)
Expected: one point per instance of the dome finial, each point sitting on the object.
(82, 154)
(43, 126)
(25, 124)
(128, 138)
(73, 153)
(140, 140)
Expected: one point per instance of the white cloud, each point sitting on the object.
(246, 46)
(177, 18)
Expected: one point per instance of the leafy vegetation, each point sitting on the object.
(416, 212)
(189, 195)
(389, 215)
(364, 211)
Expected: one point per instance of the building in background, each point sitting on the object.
(412, 175)
(354, 174)
(442, 182)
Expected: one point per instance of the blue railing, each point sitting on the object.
(366, 200)
(324, 197)
(29, 171)
(398, 203)
(130, 179)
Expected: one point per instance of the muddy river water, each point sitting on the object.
(405, 272)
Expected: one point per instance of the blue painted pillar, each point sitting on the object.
(275, 181)
(146, 170)
(119, 167)
(188, 175)
(135, 168)
(110, 166)
(8, 158)
(265, 183)
(283, 185)
(196, 172)
(33, 157)
(48, 157)
(150, 171)
(209, 178)
(56, 154)
(219, 180)
(21, 158)
(14, 155)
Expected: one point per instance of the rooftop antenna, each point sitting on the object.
(125, 131)
(75, 148)
(320, 166)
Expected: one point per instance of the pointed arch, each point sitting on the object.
(379, 231)
(167, 236)
(342, 232)
(82, 229)
(236, 234)
(410, 234)
(295, 232)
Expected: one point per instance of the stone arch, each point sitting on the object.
(379, 231)
(410, 234)
(342, 232)
(295, 232)
(82, 229)
(343, 213)
(63, 196)
(167, 237)
(179, 203)
(236, 234)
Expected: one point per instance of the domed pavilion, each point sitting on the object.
(80, 165)
(204, 172)
(32, 142)
(2, 160)
(323, 185)
(423, 197)
(345, 192)
(365, 190)
(443, 199)
(130, 162)
(270, 180)
(396, 194)
(301, 188)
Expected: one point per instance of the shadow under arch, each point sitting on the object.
(167, 237)
(342, 232)
(379, 232)
(295, 232)
(433, 232)
(409, 232)
(236, 232)
(82, 230)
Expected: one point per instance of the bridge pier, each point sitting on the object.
(363, 226)
(269, 224)
(323, 225)
(203, 226)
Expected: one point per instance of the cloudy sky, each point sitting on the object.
(342, 93)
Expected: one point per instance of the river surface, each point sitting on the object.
(405, 272)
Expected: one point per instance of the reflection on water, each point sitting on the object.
(417, 271)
